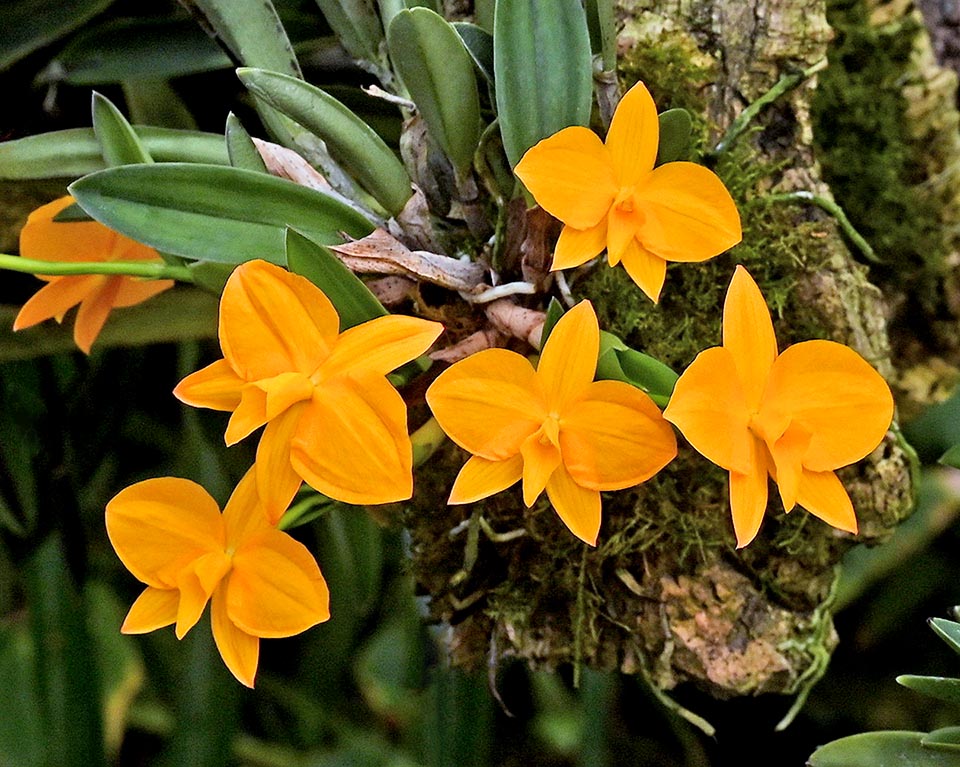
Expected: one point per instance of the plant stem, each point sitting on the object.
(144, 270)
(837, 212)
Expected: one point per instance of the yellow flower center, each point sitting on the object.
(624, 199)
(550, 430)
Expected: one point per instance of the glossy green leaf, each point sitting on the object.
(353, 300)
(892, 748)
(153, 101)
(31, 24)
(676, 140)
(479, 44)
(72, 212)
(119, 143)
(618, 362)
(946, 738)
(939, 687)
(212, 213)
(357, 26)
(240, 147)
(75, 152)
(602, 23)
(350, 141)
(434, 65)
(544, 74)
(948, 631)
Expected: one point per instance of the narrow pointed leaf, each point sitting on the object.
(946, 738)
(240, 147)
(75, 152)
(350, 141)
(434, 65)
(603, 31)
(119, 143)
(211, 212)
(890, 748)
(939, 687)
(356, 26)
(479, 45)
(948, 631)
(72, 212)
(553, 315)
(544, 74)
(31, 24)
(353, 300)
(675, 136)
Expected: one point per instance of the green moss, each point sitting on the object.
(866, 154)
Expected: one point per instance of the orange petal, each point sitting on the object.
(244, 516)
(578, 507)
(488, 403)
(272, 322)
(823, 495)
(568, 361)
(352, 443)
(54, 299)
(615, 438)
(787, 453)
(709, 409)
(276, 589)
(622, 228)
(133, 292)
(160, 526)
(748, 495)
(380, 345)
(690, 214)
(250, 414)
(277, 480)
(836, 395)
(748, 335)
(284, 391)
(93, 312)
(645, 269)
(197, 583)
(571, 176)
(240, 651)
(540, 459)
(480, 478)
(634, 135)
(216, 387)
(44, 239)
(153, 609)
(577, 246)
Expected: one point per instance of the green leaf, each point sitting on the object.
(553, 315)
(479, 44)
(951, 457)
(891, 748)
(676, 128)
(20, 444)
(459, 729)
(353, 300)
(72, 212)
(76, 152)
(946, 738)
(618, 362)
(119, 143)
(153, 101)
(22, 733)
(434, 65)
(602, 23)
(948, 631)
(240, 147)
(939, 687)
(544, 75)
(31, 24)
(350, 141)
(356, 25)
(212, 213)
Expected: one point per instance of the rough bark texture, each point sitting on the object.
(665, 593)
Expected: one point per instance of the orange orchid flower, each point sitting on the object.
(44, 239)
(332, 417)
(794, 416)
(611, 196)
(554, 427)
(261, 583)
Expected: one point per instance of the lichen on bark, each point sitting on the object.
(665, 593)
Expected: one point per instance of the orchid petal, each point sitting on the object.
(748, 335)
(276, 588)
(216, 386)
(647, 270)
(709, 408)
(380, 345)
(249, 415)
(284, 391)
(44, 239)
(578, 507)
(577, 246)
(823, 495)
(277, 480)
(480, 478)
(622, 228)
(93, 312)
(272, 322)
(748, 495)
(787, 453)
(133, 291)
(615, 438)
(634, 135)
(352, 442)
(240, 651)
(197, 583)
(160, 526)
(568, 362)
(540, 459)
(690, 214)
(836, 395)
(571, 176)
(54, 299)
(488, 403)
(153, 609)
(243, 516)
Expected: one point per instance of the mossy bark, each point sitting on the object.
(666, 593)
